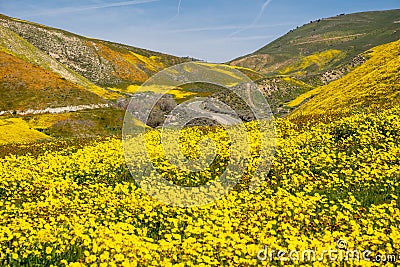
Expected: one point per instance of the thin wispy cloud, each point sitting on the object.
(264, 6)
(255, 21)
(91, 7)
(178, 11)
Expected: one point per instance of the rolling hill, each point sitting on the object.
(371, 87)
(61, 60)
(324, 44)
(43, 67)
(318, 53)
(45, 62)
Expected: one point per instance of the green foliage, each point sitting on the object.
(86, 124)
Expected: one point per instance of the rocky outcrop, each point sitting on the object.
(338, 73)
(76, 53)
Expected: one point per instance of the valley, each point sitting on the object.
(321, 172)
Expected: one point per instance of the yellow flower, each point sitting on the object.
(104, 256)
(119, 257)
(49, 250)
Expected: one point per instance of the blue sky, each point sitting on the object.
(212, 30)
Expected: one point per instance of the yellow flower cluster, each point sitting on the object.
(328, 182)
(18, 130)
(372, 86)
(321, 59)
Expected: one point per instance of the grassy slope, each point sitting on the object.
(89, 62)
(325, 44)
(28, 86)
(325, 48)
(16, 130)
(81, 124)
(41, 67)
(101, 62)
(226, 75)
(375, 85)
(279, 90)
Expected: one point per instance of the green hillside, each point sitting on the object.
(324, 44)
(318, 53)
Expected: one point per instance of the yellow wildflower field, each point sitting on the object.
(16, 130)
(328, 182)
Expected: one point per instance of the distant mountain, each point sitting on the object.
(324, 44)
(46, 67)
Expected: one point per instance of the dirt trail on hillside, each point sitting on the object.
(57, 110)
(332, 38)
